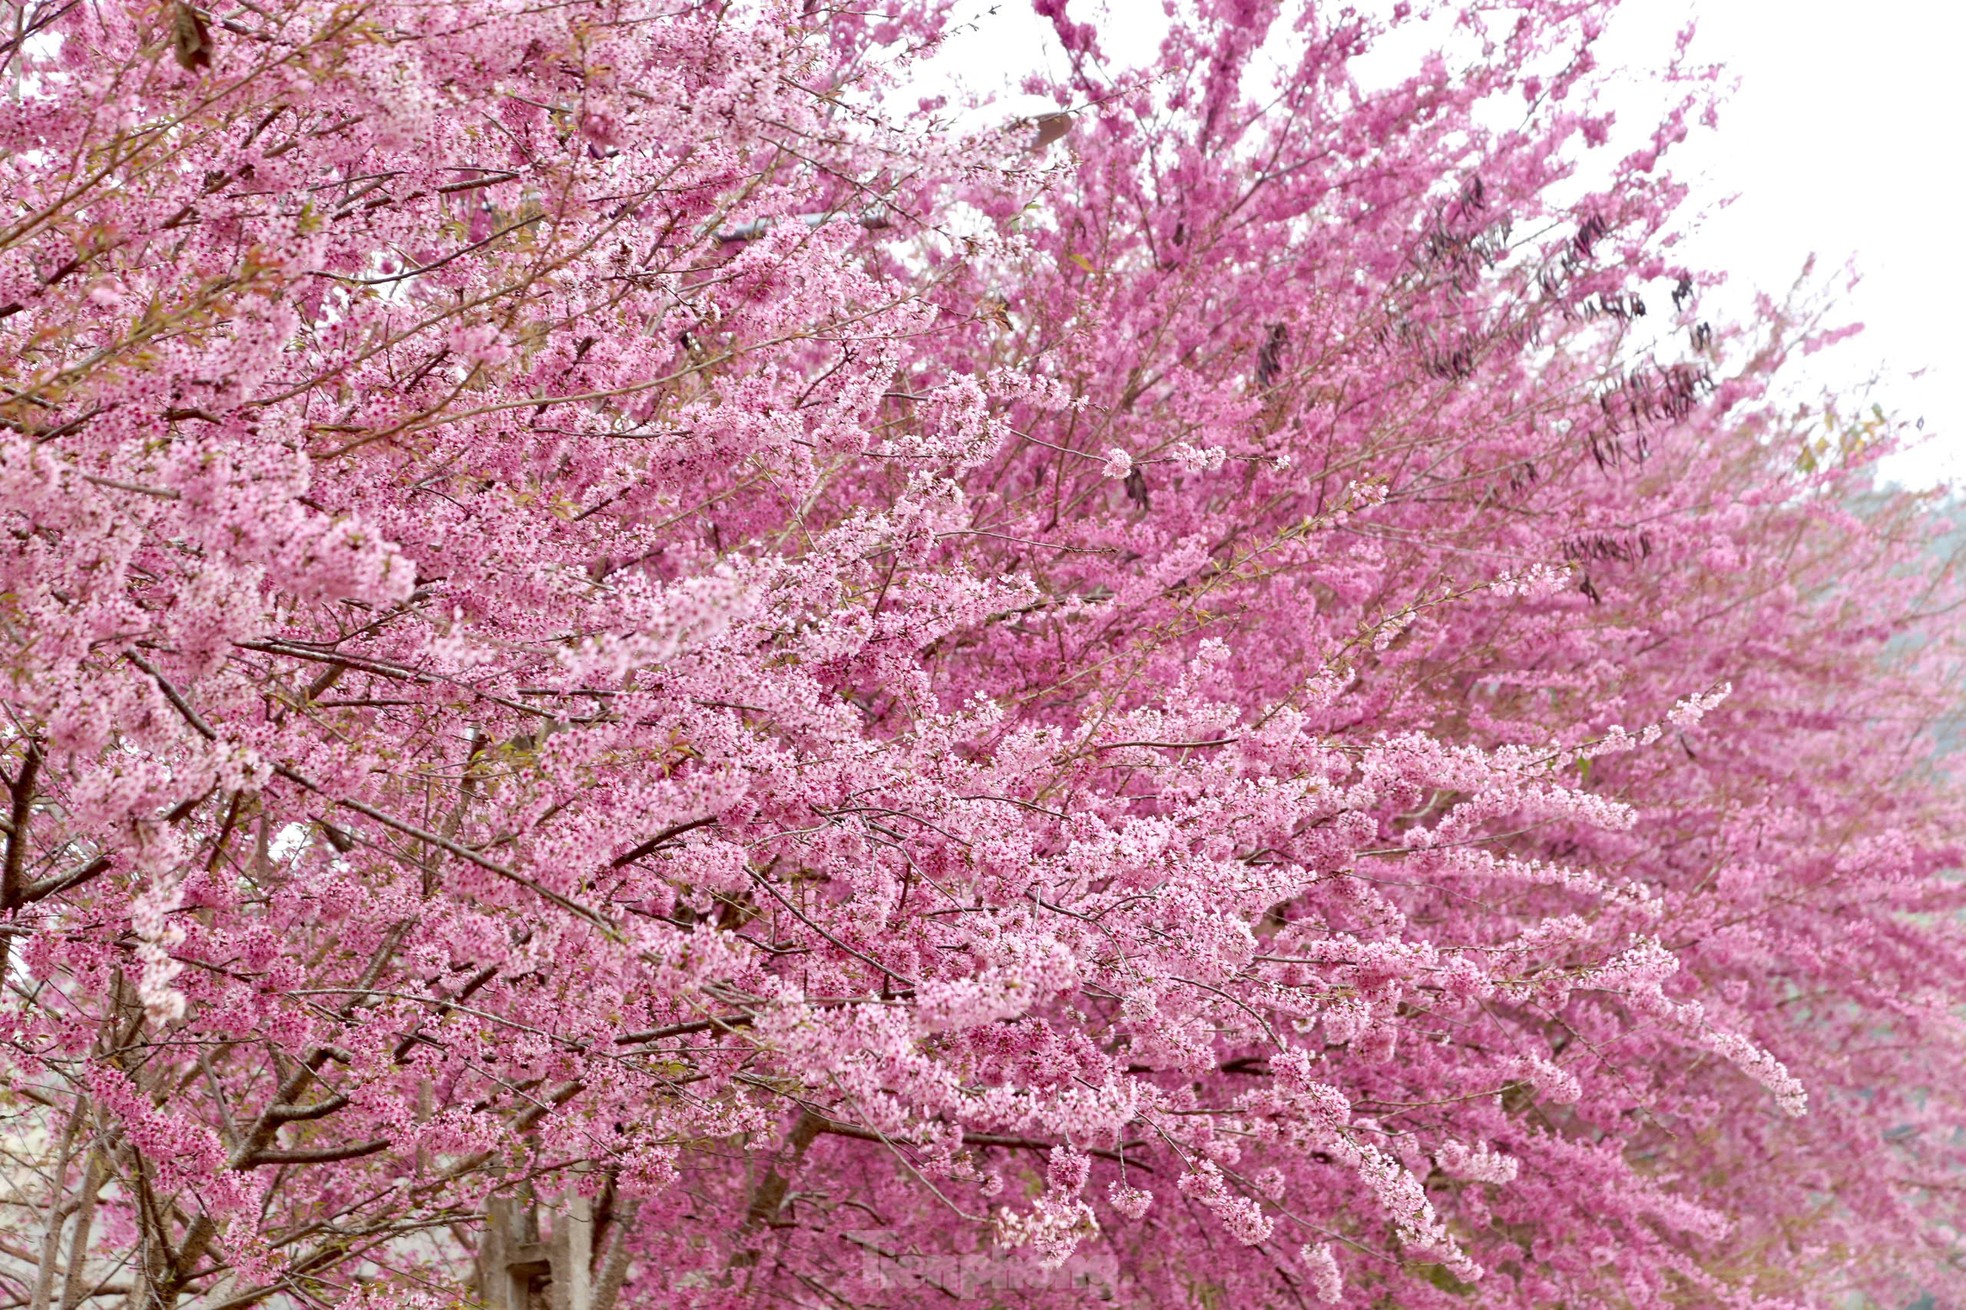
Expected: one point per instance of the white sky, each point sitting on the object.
(1843, 139)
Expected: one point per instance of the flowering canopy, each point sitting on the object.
(1174, 702)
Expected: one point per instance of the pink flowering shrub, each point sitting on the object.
(1237, 681)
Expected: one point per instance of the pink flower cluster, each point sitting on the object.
(601, 617)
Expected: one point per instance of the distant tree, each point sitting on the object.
(603, 627)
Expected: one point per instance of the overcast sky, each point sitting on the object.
(1843, 139)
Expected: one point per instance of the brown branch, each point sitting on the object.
(319, 1154)
(765, 883)
(76, 1285)
(614, 1264)
(61, 882)
(287, 1114)
(41, 888)
(465, 853)
(21, 812)
(840, 1129)
(770, 1193)
(410, 830)
(171, 694)
(444, 1007)
(682, 1029)
(252, 1150)
(660, 840)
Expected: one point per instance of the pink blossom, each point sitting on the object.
(602, 609)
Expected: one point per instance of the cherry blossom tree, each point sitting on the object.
(620, 644)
